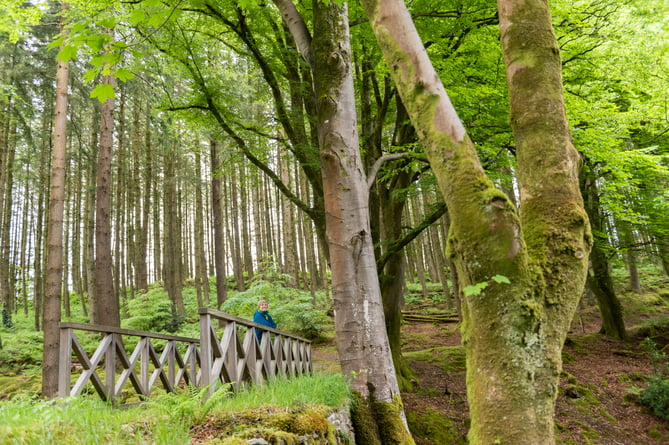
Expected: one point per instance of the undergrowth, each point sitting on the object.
(656, 394)
(167, 419)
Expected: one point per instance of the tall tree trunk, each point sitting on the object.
(359, 320)
(599, 279)
(44, 178)
(89, 228)
(201, 280)
(7, 149)
(106, 304)
(244, 218)
(77, 221)
(141, 269)
(217, 216)
(237, 261)
(630, 255)
(6, 294)
(513, 333)
(54, 268)
(67, 241)
(289, 247)
(120, 220)
(172, 241)
(25, 243)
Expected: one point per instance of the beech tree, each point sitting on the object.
(522, 271)
(362, 343)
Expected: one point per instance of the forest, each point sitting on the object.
(481, 183)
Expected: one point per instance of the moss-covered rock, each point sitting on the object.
(304, 424)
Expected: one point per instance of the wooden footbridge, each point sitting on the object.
(227, 351)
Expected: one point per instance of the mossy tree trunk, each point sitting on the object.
(513, 333)
(599, 278)
(362, 342)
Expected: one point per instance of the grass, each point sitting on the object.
(167, 420)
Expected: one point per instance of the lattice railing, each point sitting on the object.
(156, 359)
(230, 351)
(226, 352)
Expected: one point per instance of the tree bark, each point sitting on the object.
(599, 279)
(512, 333)
(235, 235)
(359, 320)
(217, 216)
(172, 237)
(106, 304)
(201, 280)
(54, 268)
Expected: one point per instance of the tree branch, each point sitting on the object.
(371, 176)
(297, 27)
(398, 244)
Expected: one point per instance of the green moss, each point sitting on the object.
(655, 434)
(604, 413)
(432, 426)
(11, 385)
(391, 426)
(449, 358)
(275, 425)
(364, 425)
(379, 423)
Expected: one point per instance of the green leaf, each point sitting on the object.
(103, 92)
(501, 279)
(137, 17)
(67, 53)
(108, 22)
(124, 75)
(475, 289)
(90, 74)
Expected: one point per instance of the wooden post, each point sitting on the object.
(170, 363)
(206, 352)
(65, 362)
(144, 366)
(110, 368)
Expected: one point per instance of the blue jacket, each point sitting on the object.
(263, 318)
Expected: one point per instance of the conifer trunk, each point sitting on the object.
(54, 269)
(106, 310)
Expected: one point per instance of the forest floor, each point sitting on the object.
(594, 404)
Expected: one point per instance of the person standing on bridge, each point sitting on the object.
(263, 317)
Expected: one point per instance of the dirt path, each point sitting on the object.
(593, 407)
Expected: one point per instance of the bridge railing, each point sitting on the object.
(156, 358)
(226, 352)
(230, 352)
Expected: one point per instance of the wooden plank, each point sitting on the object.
(112, 330)
(129, 370)
(159, 372)
(110, 367)
(236, 358)
(144, 365)
(90, 367)
(206, 352)
(244, 322)
(65, 362)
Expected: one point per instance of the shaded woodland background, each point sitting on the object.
(212, 160)
(162, 177)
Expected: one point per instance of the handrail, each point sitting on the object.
(111, 355)
(236, 357)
